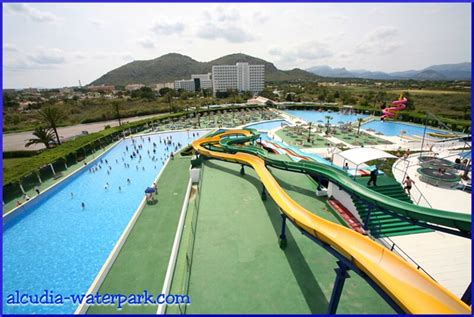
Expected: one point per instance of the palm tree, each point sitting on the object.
(359, 120)
(52, 116)
(43, 136)
(116, 106)
(328, 118)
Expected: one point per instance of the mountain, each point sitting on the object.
(327, 71)
(429, 74)
(175, 66)
(461, 71)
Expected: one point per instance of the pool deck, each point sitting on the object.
(143, 259)
(445, 257)
(238, 266)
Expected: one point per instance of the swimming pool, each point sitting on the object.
(319, 117)
(393, 128)
(53, 244)
(267, 125)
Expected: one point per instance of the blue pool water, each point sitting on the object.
(267, 125)
(316, 116)
(392, 128)
(52, 244)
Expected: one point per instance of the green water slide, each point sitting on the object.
(450, 222)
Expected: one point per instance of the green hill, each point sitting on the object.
(175, 66)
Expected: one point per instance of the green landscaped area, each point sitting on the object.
(143, 259)
(238, 267)
(300, 138)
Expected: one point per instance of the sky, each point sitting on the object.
(56, 45)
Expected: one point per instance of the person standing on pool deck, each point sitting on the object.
(408, 182)
(373, 176)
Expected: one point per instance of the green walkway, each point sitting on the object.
(143, 259)
(238, 266)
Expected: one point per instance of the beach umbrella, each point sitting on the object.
(320, 120)
(149, 190)
(340, 122)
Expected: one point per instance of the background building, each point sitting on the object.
(186, 84)
(196, 83)
(202, 81)
(241, 77)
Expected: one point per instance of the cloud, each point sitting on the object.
(168, 28)
(31, 12)
(97, 22)
(338, 17)
(309, 51)
(8, 47)
(146, 42)
(47, 56)
(380, 41)
(224, 24)
(230, 34)
(260, 17)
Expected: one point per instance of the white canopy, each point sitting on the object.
(361, 155)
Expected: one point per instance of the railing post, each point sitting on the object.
(341, 275)
(283, 241)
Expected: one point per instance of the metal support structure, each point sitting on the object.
(319, 183)
(242, 170)
(39, 178)
(264, 192)
(424, 134)
(52, 168)
(283, 240)
(22, 189)
(341, 275)
(466, 297)
(355, 269)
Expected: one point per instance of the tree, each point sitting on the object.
(164, 91)
(43, 136)
(116, 106)
(52, 116)
(169, 99)
(328, 124)
(359, 120)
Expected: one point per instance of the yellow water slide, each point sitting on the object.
(412, 290)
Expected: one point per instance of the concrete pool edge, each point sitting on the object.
(104, 270)
(27, 203)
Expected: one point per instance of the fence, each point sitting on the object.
(415, 193)
(190, 245)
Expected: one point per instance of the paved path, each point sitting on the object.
(17, 140)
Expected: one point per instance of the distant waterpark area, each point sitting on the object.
(244, 201)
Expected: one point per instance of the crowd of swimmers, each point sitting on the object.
(133, 154)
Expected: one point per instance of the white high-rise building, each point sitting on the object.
(186, 84)
(241, 77)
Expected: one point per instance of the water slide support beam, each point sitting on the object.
(341, 275)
